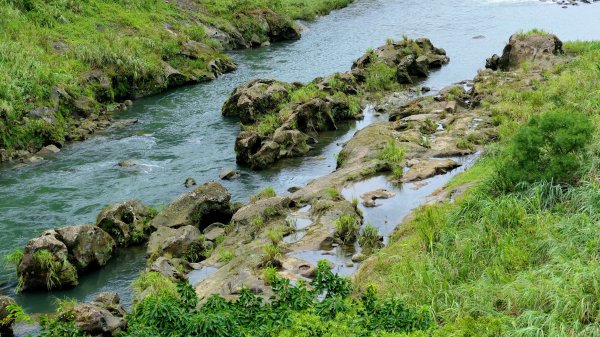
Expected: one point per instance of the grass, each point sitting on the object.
(56, 44)
(518, 262)
(380, 77)
(346, 228)
(392, 153)
(369, 239)
(225, 256)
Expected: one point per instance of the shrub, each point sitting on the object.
(549, 147)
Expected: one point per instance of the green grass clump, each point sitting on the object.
(380, 77)
(369, 239)
(346, 228)
(225, 256)
(267, 192)
(392, 153)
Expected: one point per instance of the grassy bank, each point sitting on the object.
(518, 253)
(65, 60)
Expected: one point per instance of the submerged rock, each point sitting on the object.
(189, 182)
(207, 204)
(126, 222)
(368, 199)
(229, 174)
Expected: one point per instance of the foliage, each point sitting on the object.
(549, 147)
(226, 256)
(333, 193)
(392, 153)
(293, 310)
(13, 259)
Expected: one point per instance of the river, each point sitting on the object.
(181, 133)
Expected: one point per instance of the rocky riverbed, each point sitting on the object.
(234, 243)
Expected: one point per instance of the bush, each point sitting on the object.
(380, 77)
(369, 239)
(324, 309)
(549, 147)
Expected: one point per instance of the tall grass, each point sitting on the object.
(509, 262)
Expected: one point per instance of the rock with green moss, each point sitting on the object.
(207, 204)
(88, 245)
(6, 320)
(45, 264)
(261, 209)
(126, 222)
(258, 97)
(182, 242)
(535, 47)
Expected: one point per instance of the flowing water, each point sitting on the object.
(181, 133)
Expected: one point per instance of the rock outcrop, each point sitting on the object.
(207, 204)
(182, 242)
(251, 100)
(102, 317)
(45, 264)
(536, 48)
(88, 246)
(282, 120)
(126, 222)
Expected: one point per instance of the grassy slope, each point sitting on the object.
(48, 44)
(521, 263)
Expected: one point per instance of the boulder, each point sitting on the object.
(126, 222)
(212, 232)
(45, 264)
(48, 151)
(175, 242)
(95, 320)
(540, 48)
(428, 169)
(5, 321)
(263, 209)
(167, 268)
(246, 144)
(368, 199)
(251, 100)
(111, 302)
(229, 174)
(88, 245)
(207, 204)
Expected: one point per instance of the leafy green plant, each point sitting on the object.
(226, 256)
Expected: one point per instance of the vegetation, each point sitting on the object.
(87, 55)
(516, 255)
(265, 193)
(346, 228)
(369, 239)
(380, 77)
(323, 308)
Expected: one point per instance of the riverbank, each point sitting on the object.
(465, 120)
(510, 247)
(68, 67)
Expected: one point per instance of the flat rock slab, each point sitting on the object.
(428, 169)
(368, 199)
